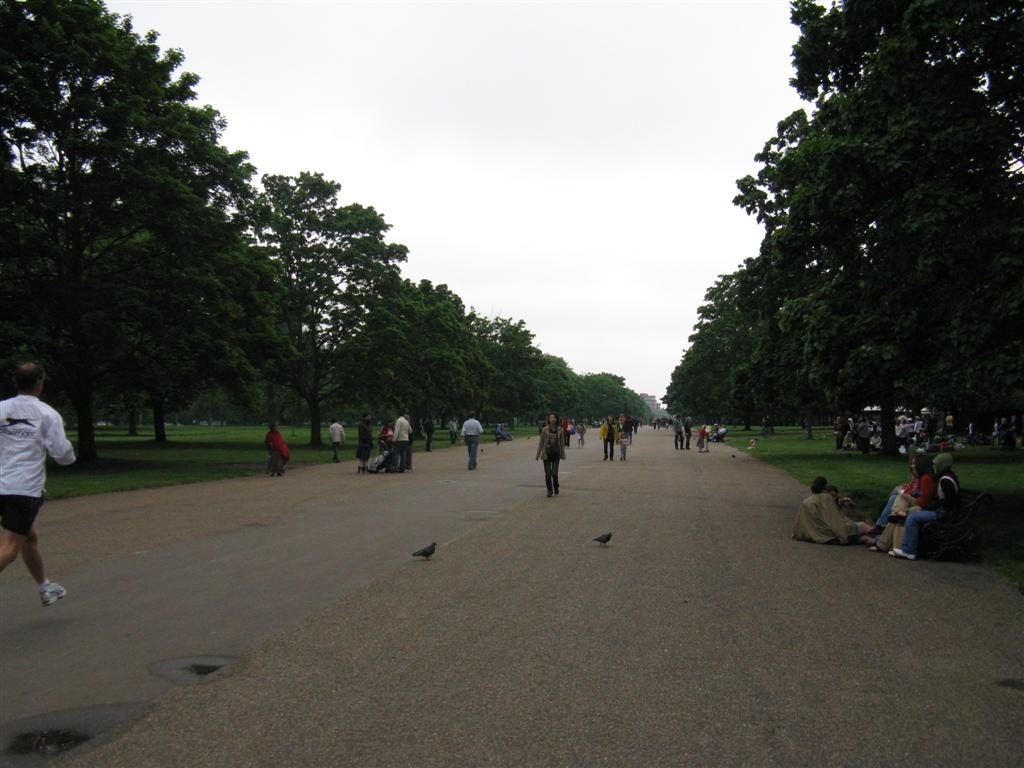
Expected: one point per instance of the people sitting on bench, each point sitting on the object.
(919, 490)
(945, 504)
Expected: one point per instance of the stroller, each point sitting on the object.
(382, 462)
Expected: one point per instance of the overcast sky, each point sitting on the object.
(569, 164)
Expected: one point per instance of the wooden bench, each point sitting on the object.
(956, 537)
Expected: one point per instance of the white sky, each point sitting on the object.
(568, 164)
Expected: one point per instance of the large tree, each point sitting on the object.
(109, 174)
(510, 384)
(422, 352)
(902, 199)
(332, 265)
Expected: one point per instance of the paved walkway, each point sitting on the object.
(702, 636)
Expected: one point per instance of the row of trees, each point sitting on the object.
(891, 272)
(142, 266)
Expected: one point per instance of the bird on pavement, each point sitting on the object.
(603, 538)
(734, 455)
(426, 552)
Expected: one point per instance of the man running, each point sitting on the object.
(29, 429)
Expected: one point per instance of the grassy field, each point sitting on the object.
(868, 480)
(196, 453)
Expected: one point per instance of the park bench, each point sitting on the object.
(956, 536)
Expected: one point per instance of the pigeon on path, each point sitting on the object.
(426, 552)
(604, 538)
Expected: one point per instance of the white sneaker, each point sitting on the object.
(900, 553)
(52, 594)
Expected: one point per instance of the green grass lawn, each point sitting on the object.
(196, 453)
(869, 479)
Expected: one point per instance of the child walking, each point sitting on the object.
(623, 445)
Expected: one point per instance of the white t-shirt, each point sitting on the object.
(337, 433)
(403, 430)
(472, 428)
(29, 429)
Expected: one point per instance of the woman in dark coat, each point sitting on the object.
(364, 444)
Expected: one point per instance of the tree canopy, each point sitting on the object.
(892, 260)
(139, 263)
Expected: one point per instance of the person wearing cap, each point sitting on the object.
(945, 503)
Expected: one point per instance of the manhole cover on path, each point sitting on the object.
(45, 743)
(34, 740)
(189, 670)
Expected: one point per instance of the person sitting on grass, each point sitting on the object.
(945, 504)
(820, 520)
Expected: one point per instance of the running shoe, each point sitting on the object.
(52, 594)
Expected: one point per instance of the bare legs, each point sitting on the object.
(11, 544)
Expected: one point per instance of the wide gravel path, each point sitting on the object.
(701, 636)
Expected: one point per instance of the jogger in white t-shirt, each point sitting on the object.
(29, 429)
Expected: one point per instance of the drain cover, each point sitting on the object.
(45, 743)
(203, 669)
(189, 670)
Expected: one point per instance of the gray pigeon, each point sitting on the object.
(604, 538)
(426, 552)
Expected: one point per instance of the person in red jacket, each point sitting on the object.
(277, 448)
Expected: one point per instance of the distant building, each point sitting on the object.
(652, 403)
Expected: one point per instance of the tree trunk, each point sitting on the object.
(133, 423)
(82, 401)
(159, 425)
(889, 426)
(314, 421)
(271, 403)
(808, 427)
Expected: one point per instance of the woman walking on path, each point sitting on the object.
(552, 446)
(364, 444)
(278, 449)
(581, 430)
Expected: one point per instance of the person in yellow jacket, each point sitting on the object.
(609, 435)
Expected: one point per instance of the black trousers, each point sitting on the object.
(551, 473)
(430, 438)
(609, 448)
(678, 442)
(687, 436)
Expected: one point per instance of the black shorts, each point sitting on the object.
(18, 513)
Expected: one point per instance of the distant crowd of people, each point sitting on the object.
(926, 431)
